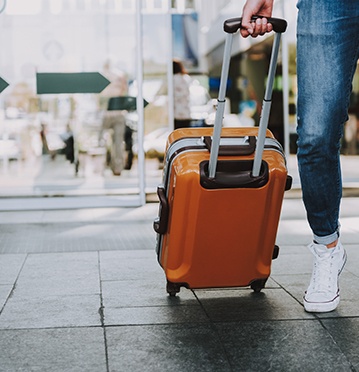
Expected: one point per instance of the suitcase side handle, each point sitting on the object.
(161, 222)
(232, 25)
(233, 150)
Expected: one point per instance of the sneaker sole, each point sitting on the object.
(321, 307)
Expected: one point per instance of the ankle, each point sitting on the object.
(333, 244)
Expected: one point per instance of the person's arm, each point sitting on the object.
(261, 26)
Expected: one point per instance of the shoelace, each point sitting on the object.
(323, 273)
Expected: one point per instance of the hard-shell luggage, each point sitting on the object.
(221, 196)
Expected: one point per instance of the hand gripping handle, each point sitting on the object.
(232, 25)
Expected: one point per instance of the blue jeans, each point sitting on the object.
(327, 54)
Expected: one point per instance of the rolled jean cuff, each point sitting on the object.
(327, 239)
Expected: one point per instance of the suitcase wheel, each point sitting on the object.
(173, 288)
(258, 285)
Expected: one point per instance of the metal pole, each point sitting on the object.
(139, 103)
(170, 93)
(285, 77)
(220, 107)
(263, 123)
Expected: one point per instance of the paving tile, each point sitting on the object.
(244, 304)
(11, 217)
(184, 348)
(295, 263)
(74, 236)
(293, 232)
(293, 249)
(148, 212)
(345, 332)
(281, 346)
(53, 350)
(4, 294)
(349, 206)
(126, 265)
(293, 209)
(270, 284)
(42, 288)
(59, 274)
(154, 315)
(65, 264)
(351, 223)
(51, 311)
(353, 258)
(349, 236)
(144, 254)
(10, 266)
(295, 285)
(136, 293)
(84, 215)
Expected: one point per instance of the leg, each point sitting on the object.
(328, 49)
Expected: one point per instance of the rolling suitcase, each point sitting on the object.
(221, 196)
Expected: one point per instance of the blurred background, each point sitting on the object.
(112, 141)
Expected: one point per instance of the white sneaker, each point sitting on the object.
(322, 294)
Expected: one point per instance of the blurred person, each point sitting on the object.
(181, 95)
(68, 138)
(118, 80)
(43, 131)
(46, 147)
(114, 119)
(327, 54)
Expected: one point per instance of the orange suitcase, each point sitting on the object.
(218, 219)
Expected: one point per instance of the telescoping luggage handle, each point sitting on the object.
(231, 26)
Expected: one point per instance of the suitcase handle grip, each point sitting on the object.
(233, 150)
(232, 25)
(233, 174)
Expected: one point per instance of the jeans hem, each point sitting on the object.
(326, 239)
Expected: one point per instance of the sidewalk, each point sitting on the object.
(81, 290)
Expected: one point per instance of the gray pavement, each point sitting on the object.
(81, 290)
